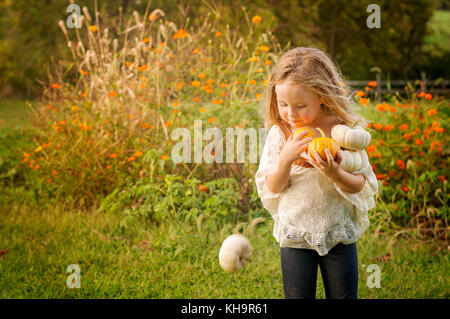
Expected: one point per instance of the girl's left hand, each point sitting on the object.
(329, 167)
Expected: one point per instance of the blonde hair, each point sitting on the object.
(312, 69)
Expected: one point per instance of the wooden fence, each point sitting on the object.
(439, 87)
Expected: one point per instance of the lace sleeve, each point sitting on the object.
(268, 165)
(364, 199)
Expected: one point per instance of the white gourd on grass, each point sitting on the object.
(234, 253)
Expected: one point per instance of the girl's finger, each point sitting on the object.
(318, 158)
(329, 157)
(299, 136)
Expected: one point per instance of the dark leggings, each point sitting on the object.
(339, 269)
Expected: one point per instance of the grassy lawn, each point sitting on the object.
(14, 114)
(179, 260)
(123, 258)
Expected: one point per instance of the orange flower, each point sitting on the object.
(256, 19)
(378, 126)
(264, 48)
(389, 127)
(218, 34)
(138, 153)
(438, 129)
(419, 141)
(432, 112)
(217, 102)
(56, 86)
(108, 167)
(146, 40)
(377, 155)
(164, 157)
(403, 127)
(132, 158)
(407, 136)
(196, 99)
(112, 93)
(401, 164)
(93, 28)
(145, 125)
(196, 50)
(360, 93)
(372, 84)
(169, 123)
(253, 59)
(180, 34)
(212, 119)
(371, 148)
(202, 188)
(363, 101)
(142, 67)
(268, 62)
(152, 17)
(421, 94)
(196, 83)
(428, 96)
(202, 110)
(113, 155)
(405, 188)
(252, 82)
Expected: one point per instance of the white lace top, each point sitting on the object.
(312, 211)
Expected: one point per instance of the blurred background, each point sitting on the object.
(414, 36)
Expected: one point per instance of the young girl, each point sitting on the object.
(319, 210)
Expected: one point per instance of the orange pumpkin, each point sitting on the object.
(321, 143)
(303, 162)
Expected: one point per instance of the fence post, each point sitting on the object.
(423, 77)
(378, 78)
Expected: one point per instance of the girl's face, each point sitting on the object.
(298, 106)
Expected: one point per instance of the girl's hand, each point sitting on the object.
(329, 167)
(294, 148)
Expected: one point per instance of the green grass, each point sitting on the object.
(439, 32)
(131, 258)
(14, 114)
(180, 260)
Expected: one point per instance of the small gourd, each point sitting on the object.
(302, 161)
(321, 143)
(234, 253)
(354, 138)
(351, 161)
(309, 134)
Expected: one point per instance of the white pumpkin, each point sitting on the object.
(235, 251)
(351, 161)
(352, 138)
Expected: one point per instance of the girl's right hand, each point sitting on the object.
(294, 148)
